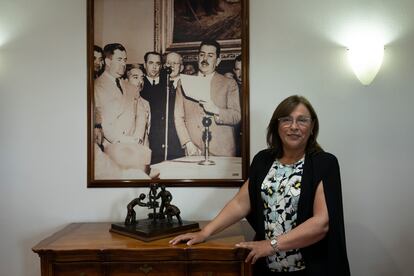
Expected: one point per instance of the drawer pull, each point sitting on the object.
(145, 268)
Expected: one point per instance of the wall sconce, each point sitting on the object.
(366, 59)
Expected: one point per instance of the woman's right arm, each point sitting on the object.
(236, 209)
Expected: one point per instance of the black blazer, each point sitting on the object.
(328, 256)
(156, 96)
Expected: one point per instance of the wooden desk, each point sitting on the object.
(89, 249)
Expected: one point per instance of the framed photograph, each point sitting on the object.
(168, 92)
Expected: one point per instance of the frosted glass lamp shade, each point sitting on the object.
(366, 61)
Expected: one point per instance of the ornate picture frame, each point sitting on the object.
(166, 26)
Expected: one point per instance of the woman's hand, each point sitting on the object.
(191, 238)
(258, 249)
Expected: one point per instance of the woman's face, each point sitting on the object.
(295, 129)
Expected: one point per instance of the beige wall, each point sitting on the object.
(134, 18)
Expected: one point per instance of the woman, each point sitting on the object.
(292, 199)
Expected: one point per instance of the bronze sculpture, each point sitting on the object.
(160, 222)
(166, 209)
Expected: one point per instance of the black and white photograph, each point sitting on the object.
(167, 92)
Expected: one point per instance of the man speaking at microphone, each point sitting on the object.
(160, 94)
(222, 104)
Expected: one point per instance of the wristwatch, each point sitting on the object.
(274, 244)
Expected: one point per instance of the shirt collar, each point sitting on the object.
(112, 78)
(207, 76)
(157, 79)
(175, 81)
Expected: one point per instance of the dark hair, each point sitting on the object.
(98, 49)
(131, 66)
(284, 109)
(151, 53)
(109, 49)
(211, 43)
(238, 58)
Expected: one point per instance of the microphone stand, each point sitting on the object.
(206, 139)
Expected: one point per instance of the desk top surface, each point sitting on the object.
(97, 237)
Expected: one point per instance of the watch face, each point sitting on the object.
(273, 244)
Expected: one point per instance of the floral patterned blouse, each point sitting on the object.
(280, 193)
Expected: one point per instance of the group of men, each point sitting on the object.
(148, 117)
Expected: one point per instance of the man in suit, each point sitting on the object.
(98, 68)
(237, 72)
(163, 139)
(98, 61)
(116, 112)
(223, 108)
(135, 76)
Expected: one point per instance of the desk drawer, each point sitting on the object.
(148, 269)
(207, 268)
(78, 269)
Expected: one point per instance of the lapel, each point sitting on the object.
(263, 169)
(305, 205)
(121, 99)
(215, 85)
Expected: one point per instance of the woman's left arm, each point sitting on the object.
(309, 232)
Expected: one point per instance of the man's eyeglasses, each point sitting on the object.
(302, 121)
(173, 63)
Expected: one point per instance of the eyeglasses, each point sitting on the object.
(173, 63)
(302, 121)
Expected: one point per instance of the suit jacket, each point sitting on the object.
(156, 96)
(328, 256)
(189, 115)
(125, 117)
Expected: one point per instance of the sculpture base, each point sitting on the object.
(147, 230)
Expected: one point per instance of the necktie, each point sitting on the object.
(153, 82)
(172, 86)
(118, 84)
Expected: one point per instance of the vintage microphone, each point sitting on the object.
(206, 139)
